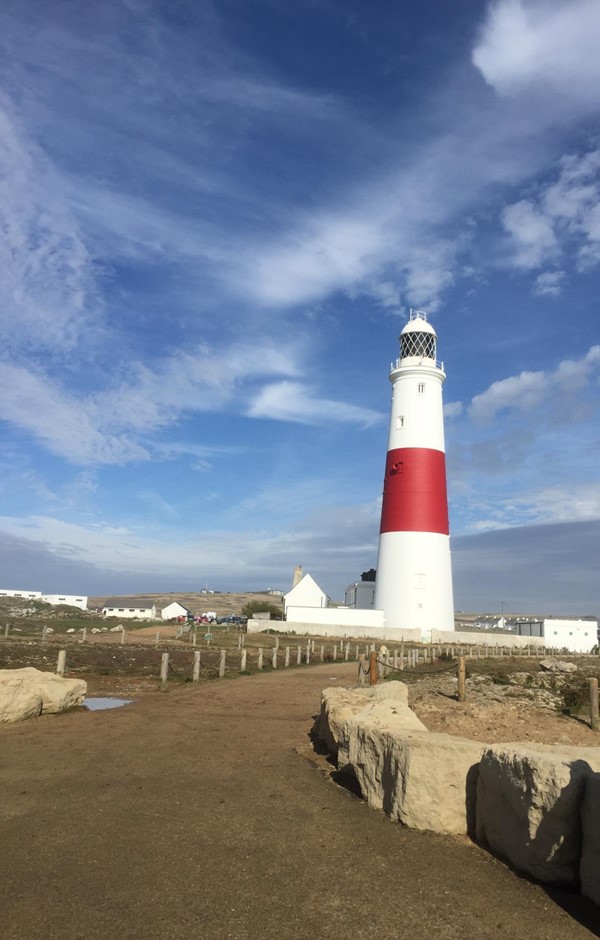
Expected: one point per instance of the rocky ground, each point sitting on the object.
(511, 701)
(202, 812)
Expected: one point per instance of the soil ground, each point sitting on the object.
(204, 811)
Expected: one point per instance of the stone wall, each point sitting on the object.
(535, 806)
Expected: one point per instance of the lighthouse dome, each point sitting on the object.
(418, 338)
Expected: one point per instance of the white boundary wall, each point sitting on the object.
(348, 616)
(478, 638)
(343, 630)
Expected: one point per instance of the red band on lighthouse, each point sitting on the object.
(414, 491)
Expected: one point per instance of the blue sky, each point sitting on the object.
(215, 218)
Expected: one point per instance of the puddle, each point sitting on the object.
(100, 703)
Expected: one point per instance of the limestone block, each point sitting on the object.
(425, 781)
(45, 693)
(340, 704)
(589, 869)
(392, 716)
(529, 800)
(17, 701)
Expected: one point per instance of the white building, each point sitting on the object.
(306, 593)
(72, 600)
(577, 636)
(174, 610)
(27, 595)
(132, 608)
(360, 595)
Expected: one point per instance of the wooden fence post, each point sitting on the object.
(347, 653)
(194, 638)
(239, 641)
(594, 712)
(222, 663)
(196, 667)
(60, 665)
(122, 636)
(372, 668)
(334, 652)
(157, 638)
(84, 634)
(298, 655)
(43, 633)
(322, 653)
(260, 658)
(286, 660)
(243, 660)
(308, 653)
(361, 669)
(164, 671)
(357, 652)
(462, 675)
(6, 629)
(274, 657)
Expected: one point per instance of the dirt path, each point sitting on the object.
(192, 813)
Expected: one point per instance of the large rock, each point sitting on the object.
(529, 799)
(340, 704)
(423, 780)
(589, 869)
(557, 665)
(28, 692)
(17, 699)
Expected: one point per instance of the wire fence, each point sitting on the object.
(192, 663)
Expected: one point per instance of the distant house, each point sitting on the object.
(72, 600)
(133, 608)
(306, 593)
(27, 595)
(577, 636)
(174, 610)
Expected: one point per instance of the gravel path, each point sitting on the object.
(201, 812)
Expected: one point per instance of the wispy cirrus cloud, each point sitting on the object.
(48, 294)
(112, 426)
(295, 401)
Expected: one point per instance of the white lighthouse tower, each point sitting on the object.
(414, 574)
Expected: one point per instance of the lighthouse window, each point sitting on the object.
(399, 422)
(421, 345)
(421, 388)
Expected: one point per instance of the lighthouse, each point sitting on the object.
(414, 573)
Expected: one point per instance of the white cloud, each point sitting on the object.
(112, 426)
(453, 409)
(293, 401)
(532, 234)
(545, 45)
(562, 216)
(526, 391)
(116, 425)
(549, 284)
